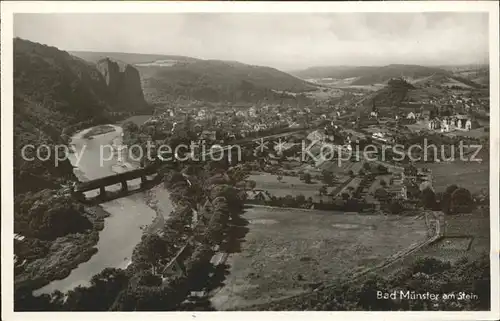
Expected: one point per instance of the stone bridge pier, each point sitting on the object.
(124, 186)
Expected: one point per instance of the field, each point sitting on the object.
(476, 133)
(289, 185)
(288, 251)
(345, 166)
(418, 126)
(472, 175)
(324, 93)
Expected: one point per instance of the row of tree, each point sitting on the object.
(453, 200)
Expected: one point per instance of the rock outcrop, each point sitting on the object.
(124, 84)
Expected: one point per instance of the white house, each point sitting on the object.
(252, 112)
(411, 115)
(316, 136)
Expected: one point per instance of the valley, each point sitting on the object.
(297, 210)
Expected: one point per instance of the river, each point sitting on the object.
(122, 229)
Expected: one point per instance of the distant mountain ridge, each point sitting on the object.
(366, 75)
(129, 58)
(167, 78)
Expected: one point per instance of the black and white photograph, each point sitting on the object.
(161, 157)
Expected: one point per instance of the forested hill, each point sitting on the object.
(364, 75)
(129, 58)
(167, 78)
(215, 80)
(53, 90)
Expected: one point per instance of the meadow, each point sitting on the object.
(472, 175)
(289, 251)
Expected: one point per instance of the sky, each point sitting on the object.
(287, 41)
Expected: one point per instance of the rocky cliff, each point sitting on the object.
(54, 90)
(124, 84)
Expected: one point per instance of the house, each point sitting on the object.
(468, 124)
(316, 136)
(257, 195)
(209, 135)
(446, 125)
(463, 122)
(434, 124)
(201, 114)
(259, 127)
(398, 191)
(382, 137)
(252, 112)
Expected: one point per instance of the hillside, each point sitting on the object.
(54, 90)
(393, 94)
(214, 81)
(367, 75)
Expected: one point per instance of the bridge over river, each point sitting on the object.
(148, 178)
(149, 175)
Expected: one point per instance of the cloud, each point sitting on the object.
(287, 41)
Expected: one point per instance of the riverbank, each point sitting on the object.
(74, 259)
(117, 226)
(158, 198)
(98, 130)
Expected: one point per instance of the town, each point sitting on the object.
(291, 170)
(315, 167)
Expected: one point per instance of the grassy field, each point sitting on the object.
(345, 166)
(288, 251)
(471, 175)
(476, 133)
(289, 185)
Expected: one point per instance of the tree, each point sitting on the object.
(381, 195)
(288, 201)
(446, 198)
(383, 183)
(410, 170)
(395, 207)
(300, 199)
(47, 215)
(428, 198)
(307, 178)
(461, 201)
(251, 184)
(323, 190)
(327, 177)
(152, 250)
(382, 169)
